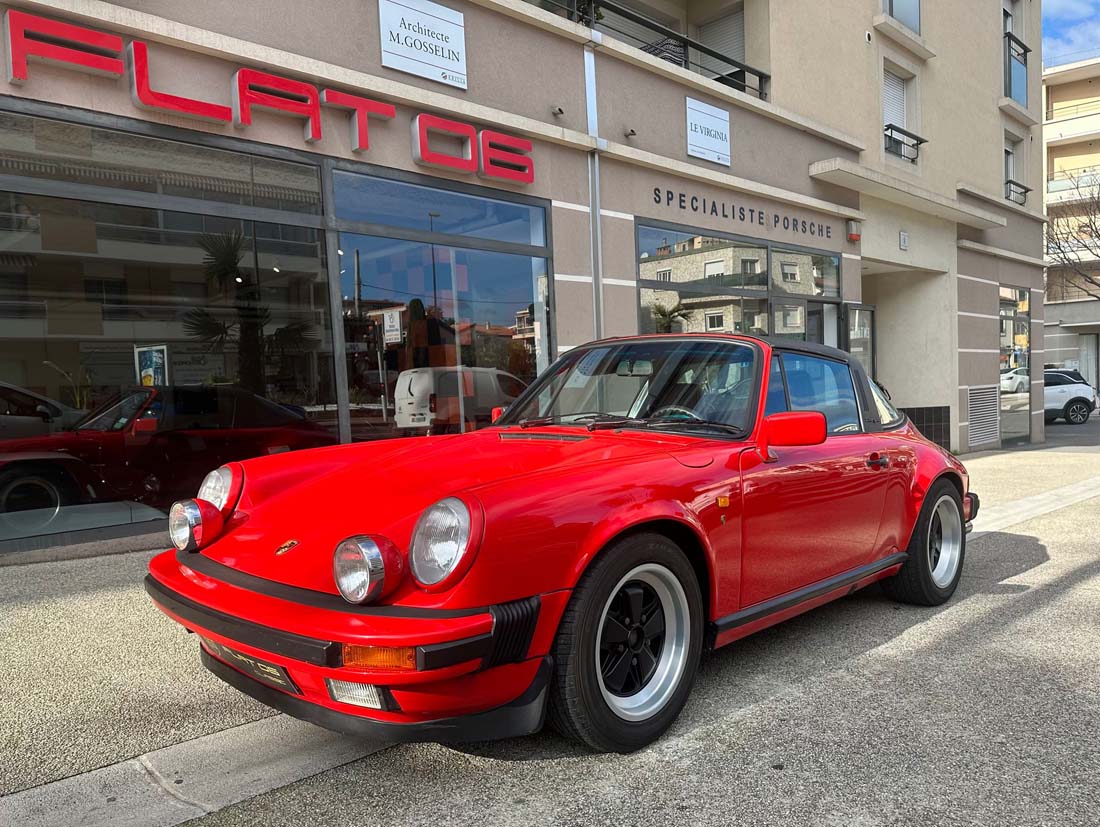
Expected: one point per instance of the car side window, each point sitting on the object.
(817, 384)
(888, 415)
(776, 400)
(1052, 380)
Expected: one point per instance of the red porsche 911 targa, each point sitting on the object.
(644, 499)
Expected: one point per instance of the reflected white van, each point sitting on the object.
(427, 399)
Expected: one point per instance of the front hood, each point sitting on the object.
(320, 497)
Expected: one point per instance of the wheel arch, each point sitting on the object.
(689, 537)
(1065, 408)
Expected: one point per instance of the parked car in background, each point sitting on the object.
(1016, 380)
(26, 413)
(149, 445)
(428, 399)
(646, 498)
(1066, 395)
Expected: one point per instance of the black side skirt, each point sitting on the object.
(523, 716)
(814, 590)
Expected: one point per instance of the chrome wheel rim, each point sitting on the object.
(642, 642)
(30, 503)
(945, 538)
(1078, 413)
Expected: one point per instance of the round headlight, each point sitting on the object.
(358, 569)
(216, 486)
(185, 525)
(440, 541)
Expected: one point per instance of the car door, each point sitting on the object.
(811, 512)
(1056, 392)
(21, 415)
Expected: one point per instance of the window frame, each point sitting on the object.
(857, 396)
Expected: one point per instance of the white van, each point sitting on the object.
(427, 399)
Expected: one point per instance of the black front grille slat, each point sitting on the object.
(513, 627)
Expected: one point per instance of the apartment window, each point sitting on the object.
(714, 269)
(750, 267)
(906, 12)
(1014, 190)
(663, 275)
(716, 321)
(1015, 54)
(899, 140)
(790, 273)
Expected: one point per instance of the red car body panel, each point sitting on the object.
(760, 524)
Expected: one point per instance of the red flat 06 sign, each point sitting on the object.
(436, 141)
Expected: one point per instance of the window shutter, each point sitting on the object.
(628, 31)
(893, 99)
(726, 35)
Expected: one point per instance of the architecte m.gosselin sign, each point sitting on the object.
(436, 141)
(423, 39)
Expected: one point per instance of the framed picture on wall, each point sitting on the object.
(151, 364)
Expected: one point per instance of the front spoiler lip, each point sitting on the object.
(523, 716)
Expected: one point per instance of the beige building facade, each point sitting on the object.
(1071, 136)
(315, 205)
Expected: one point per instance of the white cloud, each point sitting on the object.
(1070, 44)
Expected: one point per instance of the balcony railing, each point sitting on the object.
(1016, 69)
(906, 12)
(651, 37)
(1016, 192)
(1082, 179)
(1066, 111)
(902, 143)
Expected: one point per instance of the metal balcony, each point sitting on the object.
(902, 143)
(649, 36)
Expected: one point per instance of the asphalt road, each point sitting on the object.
(984, 711)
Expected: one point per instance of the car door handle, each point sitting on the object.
(878, 461)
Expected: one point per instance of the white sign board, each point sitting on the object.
(708, 132)
(424, 39)
(391, 327)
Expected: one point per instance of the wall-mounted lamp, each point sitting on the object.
(630, 133)
(557, 111)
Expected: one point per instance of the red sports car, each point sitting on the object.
(644, 499)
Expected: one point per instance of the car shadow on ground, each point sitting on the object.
(770, 662)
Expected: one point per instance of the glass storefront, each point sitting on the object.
(1015, 359)
(166, 309)
(694, 282)
(439, 327)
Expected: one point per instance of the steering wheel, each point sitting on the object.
(676, 409)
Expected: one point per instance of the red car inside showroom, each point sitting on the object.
(645, 499)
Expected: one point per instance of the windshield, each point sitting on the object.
(660, 383)
(116, 413)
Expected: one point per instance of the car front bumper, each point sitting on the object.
(480, 674)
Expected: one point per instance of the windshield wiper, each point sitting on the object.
(576, 419)
(699, 423)
(610, 421)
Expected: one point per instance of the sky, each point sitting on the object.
(1071, 31)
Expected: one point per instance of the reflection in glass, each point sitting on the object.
(699, 261)
(383, 201)
(789, 320)
(43, 148)
(861, 338)
(160, 345)
(805, 274)
(414, 312)
(1015, 359)
(672, 311)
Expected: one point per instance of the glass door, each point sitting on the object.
(860, 330)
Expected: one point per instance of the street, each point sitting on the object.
(983, 711)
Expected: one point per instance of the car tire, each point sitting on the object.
(1077, 412)
(597, 697)
(936, 550)
(27, 489)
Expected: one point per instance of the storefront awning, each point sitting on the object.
(853, 176)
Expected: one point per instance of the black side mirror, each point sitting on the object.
(44, 412)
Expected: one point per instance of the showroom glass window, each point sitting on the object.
(692, 282)
(445, 296)
(160, 343)
(1015, 385)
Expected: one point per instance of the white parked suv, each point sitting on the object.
(1066, 395)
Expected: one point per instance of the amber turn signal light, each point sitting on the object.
(380, 657)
